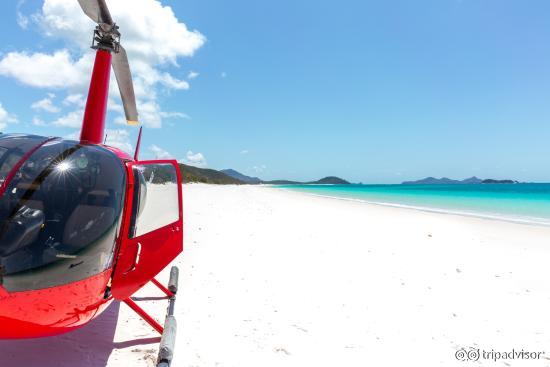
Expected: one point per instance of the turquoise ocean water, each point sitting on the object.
(528, 203)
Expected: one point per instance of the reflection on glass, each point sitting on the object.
(12, 148)
(59, 216)
(155, 201)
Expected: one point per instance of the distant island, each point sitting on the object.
(330, 180)
(243, 178)
(448, 181)
(491, 181)
(233, 177)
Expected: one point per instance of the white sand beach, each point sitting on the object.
(271, 277)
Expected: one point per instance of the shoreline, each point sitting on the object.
(496, 217)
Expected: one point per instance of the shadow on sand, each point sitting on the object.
(89, 346)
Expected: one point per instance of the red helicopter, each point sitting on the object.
(82, 223)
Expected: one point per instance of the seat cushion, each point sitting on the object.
(87, 224)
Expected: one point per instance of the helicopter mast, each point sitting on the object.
(93, 125)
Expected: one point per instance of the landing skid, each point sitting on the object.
(169, 330)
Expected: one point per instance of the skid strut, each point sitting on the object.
(168, 332)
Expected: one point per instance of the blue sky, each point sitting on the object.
(371, 91)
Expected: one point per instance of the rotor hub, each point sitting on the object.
(106, 37)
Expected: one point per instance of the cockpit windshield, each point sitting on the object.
(59, 216)
(12, 148)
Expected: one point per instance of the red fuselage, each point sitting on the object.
(53, 307)
(81, 223)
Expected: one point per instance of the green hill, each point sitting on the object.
(211, 176)
(239, 176)
(331, 180)
(205, 175)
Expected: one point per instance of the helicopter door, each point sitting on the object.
(152, 233)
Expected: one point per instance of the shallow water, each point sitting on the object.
(529, 202)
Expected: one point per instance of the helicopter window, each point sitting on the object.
(8, 162)
(12, 148)
(60, 215)
(155, 203)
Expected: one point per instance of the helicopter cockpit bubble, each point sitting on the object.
(60, 216)
(12, 148)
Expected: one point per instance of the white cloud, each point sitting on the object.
(244, 151)
(113, 105)
(46, 104)
(195, 159)
(6, 118)
(150, 30)
(149, 115)
(42, 70)
(121, 120)
(179, 115)
(260, 168)
(37, 121)
(74, 99)
(192, 75)
(173, 83)
(160, 153)
(151, 34)
(119, 138)
(22, 20)
(72, 119)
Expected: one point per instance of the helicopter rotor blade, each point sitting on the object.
(97, 11)
(123, 76)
